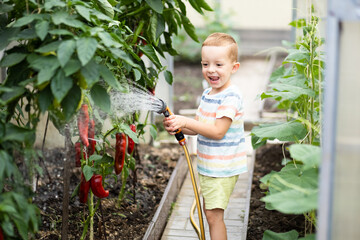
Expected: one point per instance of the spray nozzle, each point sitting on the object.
(163, 107)
(178, 133)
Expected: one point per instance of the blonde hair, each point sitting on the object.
(223, 39)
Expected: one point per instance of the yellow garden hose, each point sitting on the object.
(201, 232)
(181, 139)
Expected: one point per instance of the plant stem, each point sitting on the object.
(91, 210)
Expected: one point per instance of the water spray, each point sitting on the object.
(182, 141)
(141, 99)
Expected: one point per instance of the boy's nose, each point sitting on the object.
(211, 68)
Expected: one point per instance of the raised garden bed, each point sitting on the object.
(129, 221)
(268, 158)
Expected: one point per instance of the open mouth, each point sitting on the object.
(214, 79)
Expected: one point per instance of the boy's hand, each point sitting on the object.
(173, 123)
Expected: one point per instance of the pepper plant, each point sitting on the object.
(60, 54)
(296, 86)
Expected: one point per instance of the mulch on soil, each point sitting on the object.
(130, 220)
(269, 158)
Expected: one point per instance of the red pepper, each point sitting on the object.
(120, 151)
(131, 143)
(84, 189)
(1, 234)
(83, 124)
(91, 136)
(78, 154)
(151, 90)
(97, 187)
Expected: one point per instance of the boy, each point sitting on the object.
(219, 126)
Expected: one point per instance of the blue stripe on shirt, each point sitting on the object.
(221, 144)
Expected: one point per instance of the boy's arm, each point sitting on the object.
(188, 125)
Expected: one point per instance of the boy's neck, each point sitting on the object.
(216, 91)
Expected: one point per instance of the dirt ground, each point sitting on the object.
(268, 158)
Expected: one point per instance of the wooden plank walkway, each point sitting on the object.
(251, 78)
(236, 215)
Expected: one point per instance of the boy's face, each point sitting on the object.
(217, 67)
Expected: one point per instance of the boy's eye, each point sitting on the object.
(219, 64)
(205, 64)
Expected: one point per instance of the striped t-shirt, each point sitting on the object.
(225, 157)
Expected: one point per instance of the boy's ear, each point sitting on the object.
(235, 67)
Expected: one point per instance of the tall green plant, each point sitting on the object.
(61, 53)
(296, 86)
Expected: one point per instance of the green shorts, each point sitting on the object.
(217, 191)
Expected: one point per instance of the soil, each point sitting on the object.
(269, 158)
(127, 221)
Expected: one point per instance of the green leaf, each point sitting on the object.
(195, 5)
(71, 102)
(152, 27)
(72, 66)
(270, 235)
(41, 29)
(157, 5)
(137, 74)
(106, 8)
(45, 75)
(61, 32)
(290, 92)
(65, 50)
(7, 35)
(149, 51)
(84, 12)
(168, 77)
(289, 131)
(309, 237)
(86, 48)
(45, 99)
(12, 95)
(7, 208)
(16, 133)
(53, 46)
(44, 62)
(204, 5)
(4, 8)
(12, 59)
(88, 172)
(189, 28)
(60, 85)
(21, 227)
(109, 77)
(153, 131)
(160, 28)
(310, 155)
(26, 34)
(278, 73)
(257, 142)
(299, 23)
(53, 3)
(123, 56)
(91, 73)
(127, 130)
(297, 56)
(64, 18)
(292, 201)
(95, 157)
(26, 20)
(101, 98)
(107, 40)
